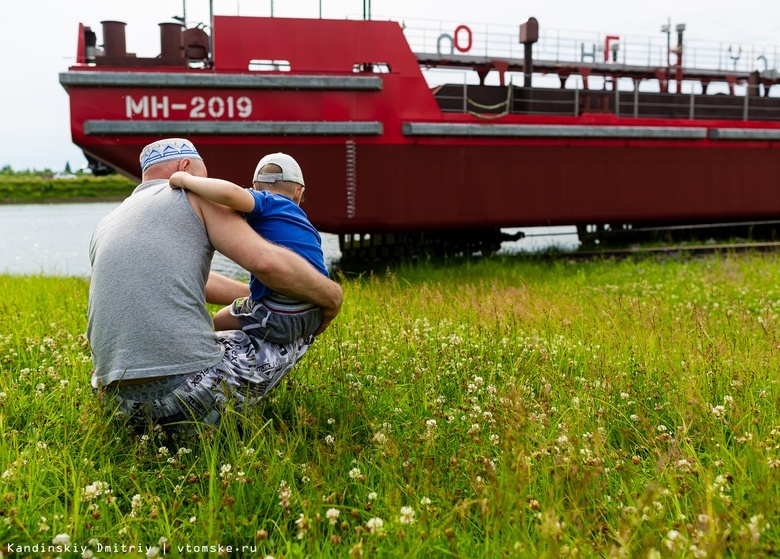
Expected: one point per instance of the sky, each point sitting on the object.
(39, 42)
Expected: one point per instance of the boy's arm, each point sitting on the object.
(221, 290)
(217, 190)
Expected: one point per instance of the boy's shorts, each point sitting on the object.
(276, 318)
(246, 373)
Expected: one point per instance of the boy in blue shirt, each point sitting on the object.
(272, 209)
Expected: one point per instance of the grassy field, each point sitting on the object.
(500, 408)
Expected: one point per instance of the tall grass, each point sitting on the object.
(482, 409)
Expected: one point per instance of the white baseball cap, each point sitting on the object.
(291, 171)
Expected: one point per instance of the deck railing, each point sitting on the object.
(493, 102)
(502, 41)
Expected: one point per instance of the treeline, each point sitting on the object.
(46, 173)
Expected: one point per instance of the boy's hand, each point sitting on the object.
(178, 179)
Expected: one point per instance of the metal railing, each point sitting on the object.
(492, 102)
(501, 41)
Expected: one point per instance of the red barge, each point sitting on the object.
(395, 166)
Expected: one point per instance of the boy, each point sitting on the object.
(272, 209)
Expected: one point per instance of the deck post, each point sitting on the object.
(577, 100)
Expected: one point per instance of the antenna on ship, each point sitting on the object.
(366, 9)
(183, 17)
(211, 28)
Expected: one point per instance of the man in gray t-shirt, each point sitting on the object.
(153, 347)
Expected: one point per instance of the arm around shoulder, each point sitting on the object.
(217, 190)
(277, 267)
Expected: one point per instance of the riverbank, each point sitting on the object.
(503, 407)
(32, 189)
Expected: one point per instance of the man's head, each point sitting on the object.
(160, 159)
(281, 173)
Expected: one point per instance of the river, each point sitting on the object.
(53, 239)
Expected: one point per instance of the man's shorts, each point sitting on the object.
(276, 318)
(247, 372)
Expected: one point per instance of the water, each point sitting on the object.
(53, 239)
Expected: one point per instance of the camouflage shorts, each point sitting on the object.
(247, 372)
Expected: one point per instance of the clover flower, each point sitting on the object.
(94, 490)
(407, 515)
(332, 515)
(61, 539)
(375, 525)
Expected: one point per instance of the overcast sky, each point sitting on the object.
(39, 42)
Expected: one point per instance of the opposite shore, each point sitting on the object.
(37, 188)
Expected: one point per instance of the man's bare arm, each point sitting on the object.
(222, 290)
(217, 190)
(277, 267)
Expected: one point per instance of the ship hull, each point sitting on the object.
(384, 188)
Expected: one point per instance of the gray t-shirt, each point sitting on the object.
(147, 309)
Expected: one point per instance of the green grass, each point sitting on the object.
(21, 188)
(518, 408)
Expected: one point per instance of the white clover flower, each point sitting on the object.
(153, 552)
(718, 411)
(87, 554)
(354, 473)
(372, 496)
(332, 515)
(94, 490)
(303, 526)
(331, 421)
(425, 501)
(61, 539)
(193, 519)
(407, 515)
(224, 471)
(136, 502)
(329, 439)
(375, 525)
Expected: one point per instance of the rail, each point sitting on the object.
(493, 102)
(501, 41)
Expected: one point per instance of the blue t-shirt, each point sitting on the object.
(280, 220)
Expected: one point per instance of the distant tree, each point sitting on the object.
(67, 167)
